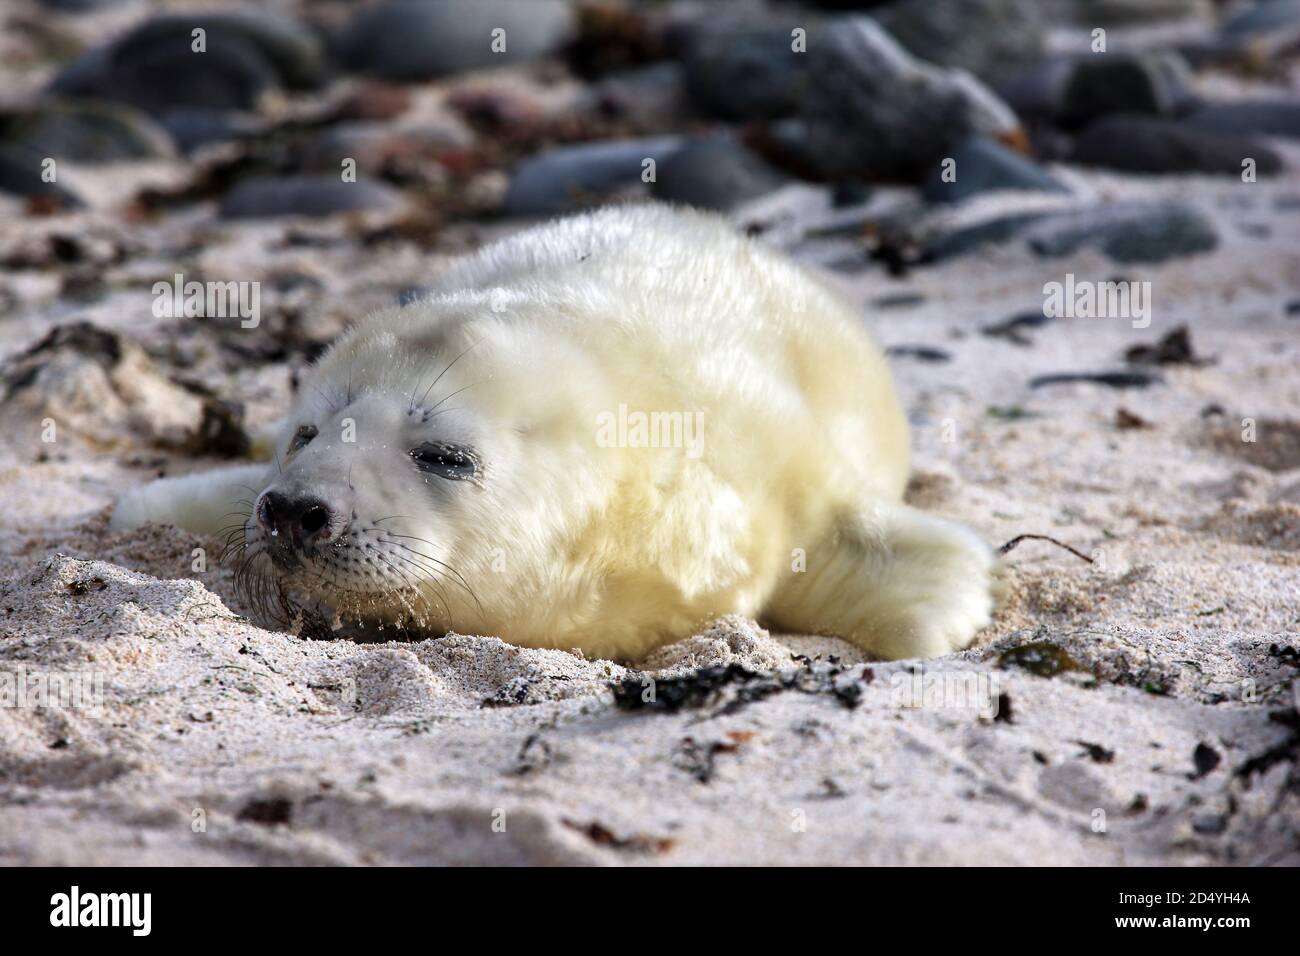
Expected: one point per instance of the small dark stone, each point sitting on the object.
(410, 40)
(990, 38)
(21, 175)
(264, 197)
(1102, 84)
(714, 174)
(1210, 823)
(748, 72)
(922, 353)
(1250, 118)
(1129, 421)
(1127, 379)
(1014, 328)
(967, 239)
(902, 300)
(568, 177)
(155, 67)
(1127, 232)
(193, 128)
(1147, 145)
(1206, 759)
(1005, 715)
(221, 431)
(1096, 752)
(982, 166)
(1173, 349)
(847, 194)
(268, 812)
(88, 132)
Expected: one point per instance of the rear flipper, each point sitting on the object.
(206, 502)
(894, 581)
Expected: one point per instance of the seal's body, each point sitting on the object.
(599, 434)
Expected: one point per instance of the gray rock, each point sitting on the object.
(847, 4)
(193, 128)
(230, 76)
(1121, 13)
(1143, 144)
(874, 111)
(1130, 232)
(741, 72)
(1104, 83)
(991, 38)
(155, 68)
(968, 239)
(716, 173)
(293, 50)
(1038, 92)
(1127, 232)
(88, 132)
(20, 175)
(566, 178)
(982, 166)
(422, 39)
(1273, 17)
(271, 196)
(1252, 117)
(78, 6)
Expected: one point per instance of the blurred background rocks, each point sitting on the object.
(338, 152)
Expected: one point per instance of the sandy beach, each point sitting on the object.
(1132, 704)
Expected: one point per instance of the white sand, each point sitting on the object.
(330, 752)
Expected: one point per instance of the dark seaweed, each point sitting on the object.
(706, 686)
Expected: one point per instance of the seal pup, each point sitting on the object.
(599, 434)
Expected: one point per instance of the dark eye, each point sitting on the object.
(446, 460)
(302, 437)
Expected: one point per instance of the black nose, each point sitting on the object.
(296, 521)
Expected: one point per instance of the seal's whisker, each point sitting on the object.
(328, 401)
(426, 541)
(441, 594)
(459, 578)
(429, 575)
(401, 594)
(451, 396)
(425, 396)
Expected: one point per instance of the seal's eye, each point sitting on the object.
(301, 438)
(446, 460)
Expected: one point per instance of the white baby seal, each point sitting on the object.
(600, 433)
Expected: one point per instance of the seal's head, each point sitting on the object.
(425, 478)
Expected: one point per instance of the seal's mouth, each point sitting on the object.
(371, 578)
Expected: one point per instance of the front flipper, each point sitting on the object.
(892, 580)
(205, 502)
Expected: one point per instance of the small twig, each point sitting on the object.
(1042, 537)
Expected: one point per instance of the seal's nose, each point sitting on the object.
(298, 522)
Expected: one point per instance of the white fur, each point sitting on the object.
(614, 550)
